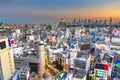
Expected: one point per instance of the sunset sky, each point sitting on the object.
(35, 10)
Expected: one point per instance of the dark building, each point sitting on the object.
(96, 22)
(111, 28)
(105, 21)
(115, 72)
(116, 56)
(79, 21)
(107, 58)
(110, 21)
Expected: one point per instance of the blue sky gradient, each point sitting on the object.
(56, 9)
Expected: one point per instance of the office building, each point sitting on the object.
(107, 58)
(101, 71)
(116, 56)
(82, 61)
(41, 68)
(115, 72)
(6, 60)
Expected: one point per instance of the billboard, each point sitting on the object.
(107, 58)
(118, 65)
(71, 61)
(80, 64)
(55, 50)
(117, 61)
(85, 46)
(73, 47)
(12, 42)
(72, 57)
(100, 74)
(101, 66)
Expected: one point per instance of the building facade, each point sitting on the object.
(6, 60)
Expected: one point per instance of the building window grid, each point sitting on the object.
(11, 70)
(10, 65)
(1, 73)
(9, 59)
(115, 74)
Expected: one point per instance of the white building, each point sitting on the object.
(17, 51)
(82, 61)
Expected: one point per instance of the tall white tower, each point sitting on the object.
(41, 59)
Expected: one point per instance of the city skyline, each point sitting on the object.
(35, 10)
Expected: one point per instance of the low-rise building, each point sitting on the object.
(80, 75)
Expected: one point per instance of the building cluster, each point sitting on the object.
(59, 52)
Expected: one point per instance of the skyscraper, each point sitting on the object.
(110, 22)
(111, 28)
(41, 55)
(79, 21)
(74, 21)
(7, 67)
(96, 22)
(105, 22)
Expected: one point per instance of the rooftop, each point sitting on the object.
(80, 74)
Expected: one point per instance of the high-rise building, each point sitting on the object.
(101, 71)
(107, 58)
(86, 22)
(74, 21)
(115, 72)
(62, 23)
(105, 21)
(111, 28)
(79, 21)
(110, 21)
(96, 22)
(6, 60)
(100, 21)
(41, 59)
(89, 21)
(82, 61)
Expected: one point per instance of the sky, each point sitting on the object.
(35, 11)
